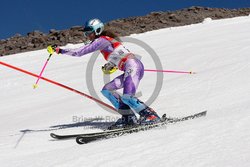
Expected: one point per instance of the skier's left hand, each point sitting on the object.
(53, 48)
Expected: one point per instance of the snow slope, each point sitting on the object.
(217, 50)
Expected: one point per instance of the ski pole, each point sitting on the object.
(40, 75)
(60, 85)
(171, 71)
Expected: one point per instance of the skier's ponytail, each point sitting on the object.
(111, 34)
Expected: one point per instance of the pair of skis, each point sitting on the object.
(84, 138)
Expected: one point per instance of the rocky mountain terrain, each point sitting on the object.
(156, 20)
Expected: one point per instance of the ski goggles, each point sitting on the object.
(87, 31)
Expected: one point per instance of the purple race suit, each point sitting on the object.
(132, 67)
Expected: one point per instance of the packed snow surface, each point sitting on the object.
(217, 50)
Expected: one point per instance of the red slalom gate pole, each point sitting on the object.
(59, 84)
(171, 71)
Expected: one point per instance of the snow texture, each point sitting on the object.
(218, 51)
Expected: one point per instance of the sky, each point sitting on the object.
(23, 16)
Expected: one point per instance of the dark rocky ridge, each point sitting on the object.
(156, 20)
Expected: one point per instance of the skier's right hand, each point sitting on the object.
(53, 48)
(109, 68)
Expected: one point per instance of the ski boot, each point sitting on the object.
(128, 119)
(125, 121)
(148, 116)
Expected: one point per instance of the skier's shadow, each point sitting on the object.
(94, 123)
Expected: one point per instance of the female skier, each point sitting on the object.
(118, 57)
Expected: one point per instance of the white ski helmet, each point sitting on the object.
(93, 25)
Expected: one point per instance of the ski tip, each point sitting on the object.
(201, 114)
(204, 112)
